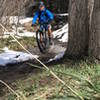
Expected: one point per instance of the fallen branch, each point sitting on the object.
(5, 84)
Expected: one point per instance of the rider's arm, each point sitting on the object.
(35, 18)
(50, 15)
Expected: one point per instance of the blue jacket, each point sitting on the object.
(44, 16)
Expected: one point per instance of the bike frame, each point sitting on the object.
(42, 35)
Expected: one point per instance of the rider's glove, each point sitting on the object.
(32, 25)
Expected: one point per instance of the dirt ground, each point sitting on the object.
(11, 73)
(10, 70)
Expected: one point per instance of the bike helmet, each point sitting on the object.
(41, 4)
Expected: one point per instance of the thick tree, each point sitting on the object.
(84, 28)
(94, 40)
(78, 28)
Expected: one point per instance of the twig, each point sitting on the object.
(61, 89)
(18, 96)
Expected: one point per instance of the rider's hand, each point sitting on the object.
(32, 25)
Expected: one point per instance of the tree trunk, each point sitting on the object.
(94, 43)
(78, 27)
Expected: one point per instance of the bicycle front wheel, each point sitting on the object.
(41, 41)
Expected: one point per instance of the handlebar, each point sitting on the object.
(44, 23)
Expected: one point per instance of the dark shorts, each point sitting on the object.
(47, 27)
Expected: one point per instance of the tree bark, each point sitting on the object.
(94, 43)
(78, 28)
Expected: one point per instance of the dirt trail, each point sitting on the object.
(11, 73)
(55, 49)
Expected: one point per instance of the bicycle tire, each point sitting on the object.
(41, 45)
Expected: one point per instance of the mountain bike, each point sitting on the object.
(42, 38)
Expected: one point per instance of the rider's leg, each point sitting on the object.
(49, 31)
(41, 37)
(50, 34)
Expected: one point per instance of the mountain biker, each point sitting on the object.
(43, 15)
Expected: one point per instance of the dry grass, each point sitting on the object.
(82, 77)
(11, 44)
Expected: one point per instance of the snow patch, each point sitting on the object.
(64, 14)
(57, 57)
(13, 57)
(23, 34)
(61, 34)
(16, 19)
(26, 20)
